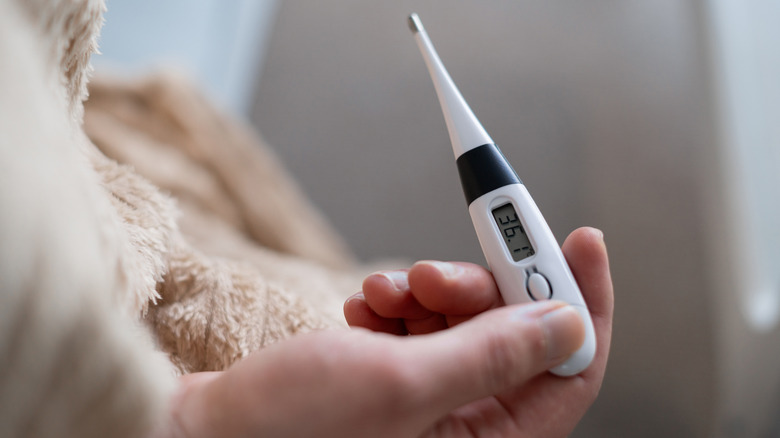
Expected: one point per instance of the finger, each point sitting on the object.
(359, 314)
(586, 254)
(453, 288)
(453, 320)
(496, 351)
(431, 324)
(388, 294)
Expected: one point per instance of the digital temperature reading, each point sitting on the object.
(513, 233)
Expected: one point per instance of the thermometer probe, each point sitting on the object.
(519, 246)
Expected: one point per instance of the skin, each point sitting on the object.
(474, 367)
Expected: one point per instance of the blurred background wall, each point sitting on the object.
(220, 44)
(654, 121)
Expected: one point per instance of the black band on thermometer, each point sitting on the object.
(484, 169)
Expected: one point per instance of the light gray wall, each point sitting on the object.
(603, 107)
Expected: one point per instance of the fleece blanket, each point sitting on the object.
(144, 235)
(248, 260)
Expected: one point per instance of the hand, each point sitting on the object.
(433, 296)
(484, 376)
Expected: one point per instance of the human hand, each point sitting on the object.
(433, 296)
(485, 375)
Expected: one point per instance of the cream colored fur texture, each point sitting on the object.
(164, 239)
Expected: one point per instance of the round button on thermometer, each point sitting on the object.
(539, 287)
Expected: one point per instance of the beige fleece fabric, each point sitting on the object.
(164, 239)
(75, 358)
(249, 260)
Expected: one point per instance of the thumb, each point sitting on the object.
(498, 350)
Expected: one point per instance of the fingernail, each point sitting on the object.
(598, 233)
(562, 328)
(447, 270)
(399, 279)
(357, 296)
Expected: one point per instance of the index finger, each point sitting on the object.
(453, 288)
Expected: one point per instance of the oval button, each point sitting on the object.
(539, 287)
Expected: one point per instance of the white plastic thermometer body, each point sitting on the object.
(522, 252)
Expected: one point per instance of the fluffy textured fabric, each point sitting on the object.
(169, 240)
(253, 261)
(74, 358)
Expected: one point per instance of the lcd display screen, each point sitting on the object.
(515, 237)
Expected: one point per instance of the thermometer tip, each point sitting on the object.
(414, 23)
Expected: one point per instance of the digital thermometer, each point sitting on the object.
(522, 252)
